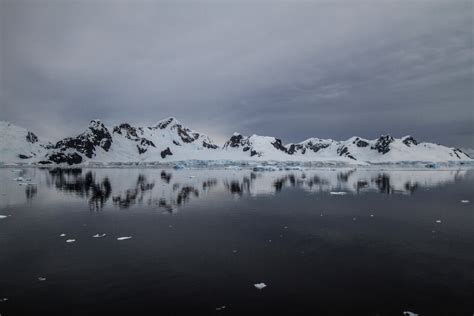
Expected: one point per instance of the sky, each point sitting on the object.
(289, 69)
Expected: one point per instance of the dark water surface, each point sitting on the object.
(203, 238)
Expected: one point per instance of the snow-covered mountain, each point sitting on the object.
(169, 140)
(19, 144)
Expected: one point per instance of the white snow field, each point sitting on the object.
(169, 142)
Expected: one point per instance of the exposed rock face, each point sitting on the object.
(186, 135)
(383, 144)
(97, 135)
(278, 145)
(166, 152)
(409, 141)
(344, 151)
(70, 158)
(235, 140)
(31, 138)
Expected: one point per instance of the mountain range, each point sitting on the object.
(169, 140)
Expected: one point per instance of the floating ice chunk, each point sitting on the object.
(3, 216)
(99, 235)
(19, 179)
(3, 299)
(438, 221)
(220, 308)
(234, 251)
(260, 286)
(337, 193)
(62, 235)
(124, 238)
(464, 201)
(41, 279)
(233, 168)
(371, 215)
(70, 240)
(409, 314)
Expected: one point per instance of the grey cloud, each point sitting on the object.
(289, 69)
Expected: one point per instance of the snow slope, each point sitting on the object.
(169, 141)
(18, 144)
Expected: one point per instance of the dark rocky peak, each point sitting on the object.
(409, 140)
(292, 148)
(166, 122)
(236, 140)
(127, 130)
(383, 144)
(97, 135)
(316, 146)
(360, 142)
(31, 137)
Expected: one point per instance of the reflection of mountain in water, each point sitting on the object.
(72, 180)
(169, 189)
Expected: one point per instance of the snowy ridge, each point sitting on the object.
(170, 141)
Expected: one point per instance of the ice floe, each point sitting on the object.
(124, 238)
(62, 235)
(3, 299)
(3, 216)
(99, 235)
(464, 201)
(70, 240)
(438, 221)
(338, 193)
(409, 314)
(260, 286)
(220, 308)
(41, 279)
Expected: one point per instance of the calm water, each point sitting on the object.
(201, 239)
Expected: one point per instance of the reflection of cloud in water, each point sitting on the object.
(167, 190)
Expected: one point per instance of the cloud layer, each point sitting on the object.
(287, 69)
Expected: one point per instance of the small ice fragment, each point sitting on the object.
(409, 314)
(354, 219)
(170, 226)
(464, 201)
(20, 179)
(438, 221)
(337, 193)
(70, 240)
(260, 286)
(220, 308)
(286, 227)
(3, 216)
(124, 238)
(99, 235)
(62, 235)
(269, 240)
(234, 251)
(3, 299)
(41, 279)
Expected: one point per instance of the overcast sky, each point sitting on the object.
(288, 69)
